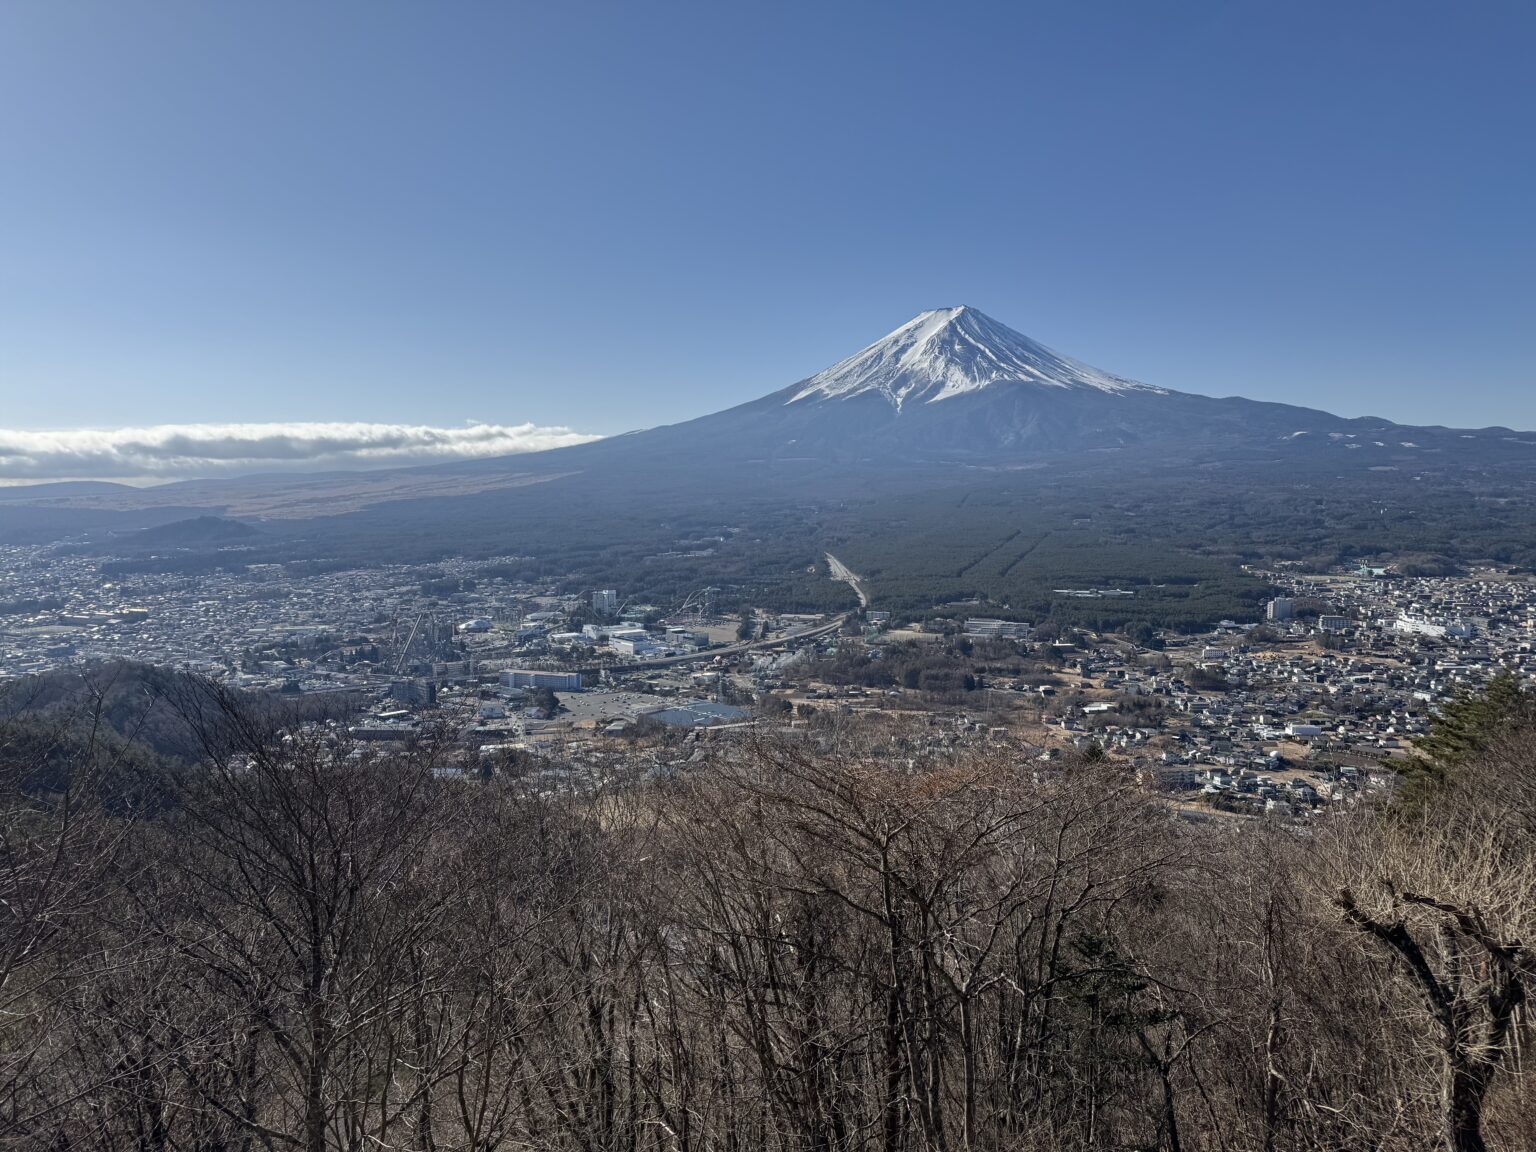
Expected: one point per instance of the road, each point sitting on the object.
(709, 654)
(841, 571)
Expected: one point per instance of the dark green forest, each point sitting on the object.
(1176, 536)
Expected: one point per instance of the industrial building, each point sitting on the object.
(997, 629)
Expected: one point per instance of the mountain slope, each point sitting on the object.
(953, 386)
(945, 394)
(951, 352)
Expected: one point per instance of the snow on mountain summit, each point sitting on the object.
(949, 352)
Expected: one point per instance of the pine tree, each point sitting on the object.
(1464, 728)
(1467, 724)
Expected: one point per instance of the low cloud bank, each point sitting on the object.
(185, 451)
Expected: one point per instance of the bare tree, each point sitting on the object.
(1450, 893)
(66, 812)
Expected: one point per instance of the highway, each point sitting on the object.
(841, 571)
(709, 654)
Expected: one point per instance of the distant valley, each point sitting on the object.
(953, 459)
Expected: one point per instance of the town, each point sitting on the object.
(1308, 708)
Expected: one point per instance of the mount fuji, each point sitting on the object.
(947, 396)
(954, 385)
(952, 352)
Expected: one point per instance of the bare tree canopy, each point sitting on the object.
(265, 936)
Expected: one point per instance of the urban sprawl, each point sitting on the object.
(1306, 709)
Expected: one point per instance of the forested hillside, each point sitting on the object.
(852, 940)
(1174, 527)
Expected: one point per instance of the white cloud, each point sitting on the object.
(183, 451)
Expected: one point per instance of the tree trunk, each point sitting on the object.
(1464, 1091)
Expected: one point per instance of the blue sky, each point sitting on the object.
(606, 216)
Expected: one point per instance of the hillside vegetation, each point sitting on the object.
(856, 940)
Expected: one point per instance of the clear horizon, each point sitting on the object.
(591, 219)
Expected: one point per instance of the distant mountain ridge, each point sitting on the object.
(955, 385)
(197, 531)
(949, 392)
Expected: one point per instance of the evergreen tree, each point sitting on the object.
(1464, 728)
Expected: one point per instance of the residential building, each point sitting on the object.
(533, 678)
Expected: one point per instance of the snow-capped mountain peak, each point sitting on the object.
(949, 352)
